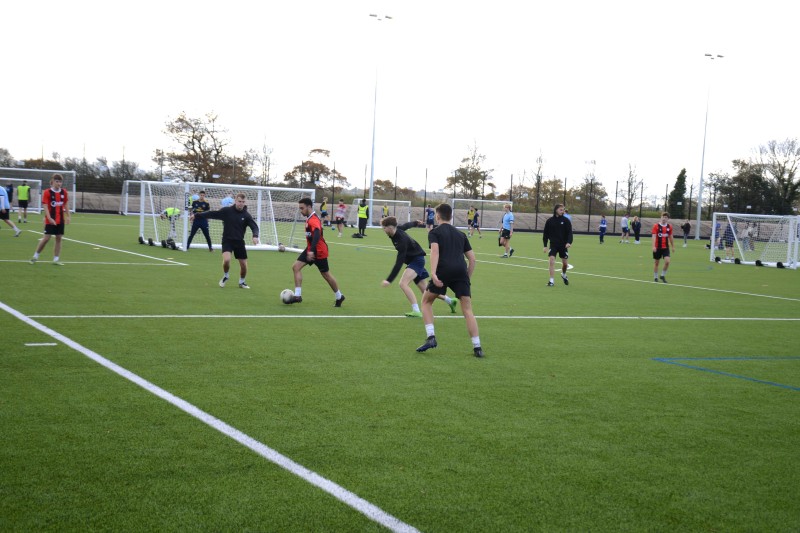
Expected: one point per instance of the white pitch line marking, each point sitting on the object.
(120, 250)
(443, 317)
(361, 505)
(41, 344)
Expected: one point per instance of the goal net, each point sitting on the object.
(400, 209)
(769, 240)
(490, 212)
(164, 210)
(42, 179)
(34, 195)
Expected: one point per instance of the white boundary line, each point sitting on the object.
(456, 317)
(343, 495)
(170, 261)
(573, 273)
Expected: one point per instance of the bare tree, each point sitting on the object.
(630, 188)
(780, 160)
(470, 177)
(6, 159)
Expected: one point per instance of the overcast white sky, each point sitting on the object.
(618, 82)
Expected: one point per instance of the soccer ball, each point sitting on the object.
(281, 247)
(195, 197)
(226, 202)
(287, 296)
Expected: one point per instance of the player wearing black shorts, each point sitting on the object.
(449, 247)
(558, 231)
(235, 221)
(662, 242)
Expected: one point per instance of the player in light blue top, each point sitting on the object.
(5, 211)
(507, 231)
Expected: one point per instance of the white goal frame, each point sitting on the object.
(43, 176)
(400, 209)
(35, 200)
(274, 209)
(763, 240)
(490, 212)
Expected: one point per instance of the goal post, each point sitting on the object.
(400, 209)
(490, 212)
(42, 176)
(164, 213)
(35, 193)
(764, 240)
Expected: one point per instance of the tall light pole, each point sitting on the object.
(703, 158)
(374, 115)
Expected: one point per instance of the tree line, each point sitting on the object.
(765, 183)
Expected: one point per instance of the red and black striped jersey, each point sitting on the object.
(662, 235)
(55, 202)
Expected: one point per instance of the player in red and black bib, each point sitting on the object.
(662, 243)
(55, 206)
(315, 253)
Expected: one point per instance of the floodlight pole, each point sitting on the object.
(374, 114)
(703, 158)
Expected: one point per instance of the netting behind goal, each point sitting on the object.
(490, 212)
(43, 179)
(400, 209)
(35, 193)
(164, 210)
(769, 240)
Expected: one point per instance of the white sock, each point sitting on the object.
(241, 280)
(476, 342)
(35, 255)
(338, 295)
(551, 280)
(298, 291)
(415, 308)
(448, 300)
(225, 275)
(55, 259)
(429, 330)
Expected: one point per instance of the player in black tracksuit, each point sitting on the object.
(410, 253)
(558, 230)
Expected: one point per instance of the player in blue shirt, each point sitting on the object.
(507, 231)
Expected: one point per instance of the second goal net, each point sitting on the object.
(490, 212)
(768, 240)
(34, 194)
(400, 209)
(164, 213)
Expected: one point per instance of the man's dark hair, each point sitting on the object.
(445, 212)
(389, 221)
(306, 201)
(555, 209)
